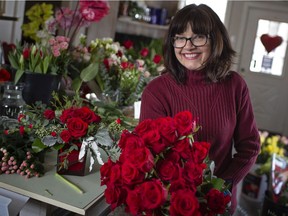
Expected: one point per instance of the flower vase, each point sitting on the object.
(39, 87)
(72, 165)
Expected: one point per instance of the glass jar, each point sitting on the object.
(12, 103)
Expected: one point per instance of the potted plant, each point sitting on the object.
(54, 36)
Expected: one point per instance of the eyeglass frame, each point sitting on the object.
(191, 40)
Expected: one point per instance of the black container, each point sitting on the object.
(39, 87)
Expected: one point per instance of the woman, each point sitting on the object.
(197, 57)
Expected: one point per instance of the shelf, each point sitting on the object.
(8, 18)
(128, 26)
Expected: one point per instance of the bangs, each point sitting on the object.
(199, 21)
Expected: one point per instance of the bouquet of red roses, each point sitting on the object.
(162, 170)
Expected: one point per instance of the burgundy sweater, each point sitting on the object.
(223, 110)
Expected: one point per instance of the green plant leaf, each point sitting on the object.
(76, 84)
(89, 72)
(38, 146)
(18, 75)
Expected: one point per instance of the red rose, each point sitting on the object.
(129, 141)
(193, 173)
(66, 114)
(217, 201)
(144, 52)
(127, 65)
(184, 148)
(157, 59)
(65, 136)
(153, 194)
(77, 127)
(183, 203)
(184, 122)
(130, 174)
(105, 171)
(21, 130)
(115, 176)
(115, 196)
(133, 200)
(167, 170)
(4, 75)
(93, 11)
(167, 129)
(152, 140)
(200, 151)
(141, 158)
(144, 126)
(49, 114)
(106, 63)
(118, 121)
(87, 115)
(128, 44)
(180, 184)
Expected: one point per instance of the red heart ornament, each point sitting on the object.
(270, 43)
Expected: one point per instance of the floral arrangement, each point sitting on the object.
(270, 144)
(119, 72)
(35, 58)
(54, 36)
(69, 125)
(162, 170)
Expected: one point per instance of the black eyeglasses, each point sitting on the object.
(197, 40)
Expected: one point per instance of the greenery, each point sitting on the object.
(41, 127)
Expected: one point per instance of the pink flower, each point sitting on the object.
(93, 11)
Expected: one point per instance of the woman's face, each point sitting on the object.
(190, 56)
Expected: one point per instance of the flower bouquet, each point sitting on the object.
(71, 126)
(116, 73)
(162, 170)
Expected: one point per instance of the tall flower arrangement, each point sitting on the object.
(54, 36)
(119, 71)
(162, 170)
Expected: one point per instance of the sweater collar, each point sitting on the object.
(196, 76)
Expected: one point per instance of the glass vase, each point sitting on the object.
(12, 103)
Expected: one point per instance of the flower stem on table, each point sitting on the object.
(69, 183)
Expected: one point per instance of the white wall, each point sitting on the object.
(11, 30)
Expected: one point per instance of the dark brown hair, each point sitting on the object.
(203, 20)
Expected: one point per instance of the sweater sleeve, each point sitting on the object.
(246, 139)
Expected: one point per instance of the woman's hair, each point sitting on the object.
(203, 20)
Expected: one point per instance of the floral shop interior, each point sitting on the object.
(72, 74)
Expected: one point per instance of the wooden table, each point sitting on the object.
(50, 190)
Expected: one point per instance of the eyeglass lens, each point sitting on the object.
(197, 40)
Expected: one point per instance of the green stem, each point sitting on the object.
(69, 183)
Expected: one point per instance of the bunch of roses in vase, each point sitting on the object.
(74, 127)
(162, 170)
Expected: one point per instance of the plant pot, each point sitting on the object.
(39, 87)
(272, 208)
(74, 166)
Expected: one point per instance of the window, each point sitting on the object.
(269, 60)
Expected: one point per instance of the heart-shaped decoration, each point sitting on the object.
(270, 43)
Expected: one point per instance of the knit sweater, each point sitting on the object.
(224, 111)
